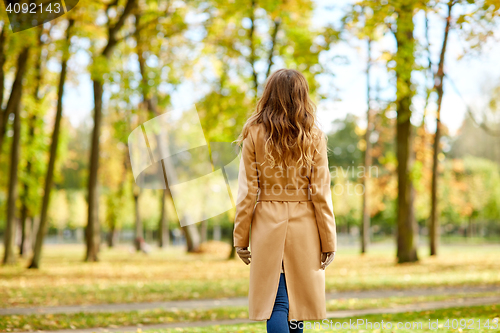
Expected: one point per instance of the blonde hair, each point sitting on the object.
(289, 117)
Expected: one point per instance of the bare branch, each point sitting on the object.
(481, 124)
(277, 23)
(140, 28)
(252, 45)
(113, 30)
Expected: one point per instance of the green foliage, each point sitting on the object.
(343, 144)
(74, 164)
(233, 31)
(222, 111)
(35, 154)
(225, 50)
(471, 188)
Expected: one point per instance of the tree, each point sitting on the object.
(405, 60)
(31, 143)
(49, 179)
(14, 106)
(4, 117)
(170, 28)
(365, 226)
(439, 77)
(92, 232)
(487, 13)
(163, 230)
(10, 231)
(397, 17)
(370, 18)
(17, 86)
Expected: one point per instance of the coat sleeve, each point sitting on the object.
(247, 192)
(321, 197)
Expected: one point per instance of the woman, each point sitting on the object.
(285, 203)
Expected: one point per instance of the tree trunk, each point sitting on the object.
(25, 247)
(411, 213)
(25, 250)
(93, 227)
(16, 93)
(405, 59)
(251, 59)
(3, 114)
(163, 231)
(277, 22)
(139, 230)
(365, 224)
(49, 178)
(2, 74)
(232, 254)
(191, 232)
(112, 235)
(192, 238)
(111, 218)
(204, 231)
(14, 105)
(434, 223)
(25, 211)
(10, 231)
(92, 231)
(35, 224)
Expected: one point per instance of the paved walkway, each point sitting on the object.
(242, 301)
(333, 314)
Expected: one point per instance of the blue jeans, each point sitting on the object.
(278, 323)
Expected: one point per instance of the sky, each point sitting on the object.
(471, 75)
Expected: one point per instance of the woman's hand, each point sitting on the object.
(244, 254)
(326, 259)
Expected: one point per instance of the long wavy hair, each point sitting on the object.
(289, 117)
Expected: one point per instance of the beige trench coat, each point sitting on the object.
(289, 214)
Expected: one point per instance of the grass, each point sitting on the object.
(110, 320)
(124, 277)
(469, 315)
(158, 316)
(391, 302)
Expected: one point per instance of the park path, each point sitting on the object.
(243, 301)
(331, 315)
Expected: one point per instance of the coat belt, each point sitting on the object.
(284, 194)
